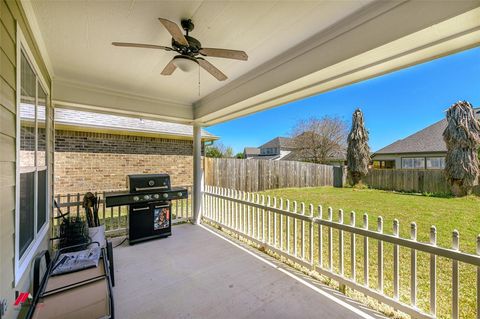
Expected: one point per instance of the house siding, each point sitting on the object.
(10, 14)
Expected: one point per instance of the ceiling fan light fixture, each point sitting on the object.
(185, 63)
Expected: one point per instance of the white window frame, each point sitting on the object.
(22, 264)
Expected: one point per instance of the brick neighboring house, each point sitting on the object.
(424, 149)
(95, 152)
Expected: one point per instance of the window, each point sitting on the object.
(388, 164)
(413, 162)
(31, 217)
(32, 156)
(435, 162)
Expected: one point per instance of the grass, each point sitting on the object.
(445, 213)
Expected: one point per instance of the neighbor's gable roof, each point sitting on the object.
(252, 151)
(281, 142)
(428, 140)
(90, 121)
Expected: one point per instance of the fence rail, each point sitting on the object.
(257, 175)
(115, 218)
(305, 236)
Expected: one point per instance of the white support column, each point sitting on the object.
(197, 173)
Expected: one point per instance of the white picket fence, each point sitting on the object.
(288, 230)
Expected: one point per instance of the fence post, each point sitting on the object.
(302, 211)
(396, 261)
(413, 266)
(433, 273)
(342, 287)
(380, 254)
(320, 237)
(365, 251)
(330, 241)
(455, 246)
(310, 236)
(352, 247)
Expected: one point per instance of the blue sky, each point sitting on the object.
(395, 105)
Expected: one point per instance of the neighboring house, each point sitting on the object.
(276, 148)
(95, 152)
(251, 152)
(424, 149)
(282, 148)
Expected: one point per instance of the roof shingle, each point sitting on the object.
(76, 118)
(428, 140)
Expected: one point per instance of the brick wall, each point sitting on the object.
(87, 161)
(82, 172)
(71, 141)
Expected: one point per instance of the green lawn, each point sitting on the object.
(446, 214)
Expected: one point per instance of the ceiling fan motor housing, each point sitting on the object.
(192, 49)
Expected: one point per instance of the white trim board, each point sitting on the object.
(22, 264)
(68, 94)
(37, 34)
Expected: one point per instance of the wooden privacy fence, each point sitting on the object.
(254, 175)
(386, 267)
(408, 180)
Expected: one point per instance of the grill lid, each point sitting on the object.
(147, 182)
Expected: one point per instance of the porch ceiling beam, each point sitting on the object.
(383, 37)
(73, 95)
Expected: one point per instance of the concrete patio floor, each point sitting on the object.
(196, 273)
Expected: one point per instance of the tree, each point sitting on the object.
(228, 152)
(213, 151)
(319, 139)
(218, 150)
(462, 136)
(240, 155)
(358, 151)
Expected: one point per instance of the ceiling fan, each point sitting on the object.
(190, 50)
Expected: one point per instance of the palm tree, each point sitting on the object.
(462, 136)
(358, 151)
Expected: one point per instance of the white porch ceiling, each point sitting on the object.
(288, 43)
(78, 36)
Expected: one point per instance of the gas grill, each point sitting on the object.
(149, 197)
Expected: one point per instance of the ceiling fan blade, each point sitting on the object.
(224, 53)
(169, 68)
(141, 45)
(210, 68)
(174, 30)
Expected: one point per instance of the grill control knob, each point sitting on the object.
(136, 198)
(156, 196)
(165, 195)
(179, 194)
(146, 197)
